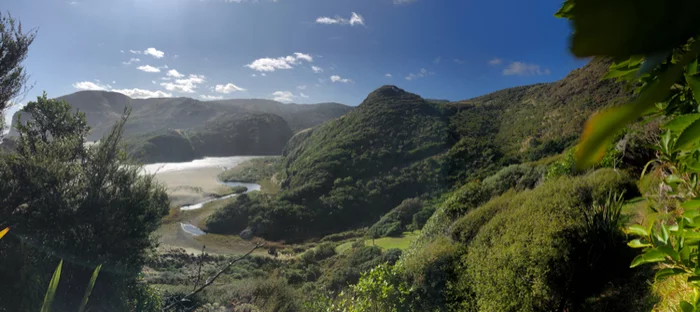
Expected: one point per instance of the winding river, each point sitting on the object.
(192, 168)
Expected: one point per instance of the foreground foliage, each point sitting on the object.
(85, 205)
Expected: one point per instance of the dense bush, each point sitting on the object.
(466, 227)
(86, 205)
(395, 221)
(518, 177)
(530, 256)
(465, 198)
(429, 270)
(252, 170)
(323, 251)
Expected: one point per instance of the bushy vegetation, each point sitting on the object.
(87, 206)
(538, 249)
(536, 253)
(396, 221)
(252, 170)
(351, 171)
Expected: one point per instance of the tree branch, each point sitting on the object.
(211, 279)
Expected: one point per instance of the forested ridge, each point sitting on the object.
(576, 195)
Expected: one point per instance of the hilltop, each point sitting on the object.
(349, 171)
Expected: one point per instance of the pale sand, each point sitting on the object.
(190, 186)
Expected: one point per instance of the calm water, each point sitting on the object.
(208, 162)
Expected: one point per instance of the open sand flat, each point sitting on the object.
(191, 186)
(194, 181)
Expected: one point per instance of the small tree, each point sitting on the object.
(14, 45)
(85, 205)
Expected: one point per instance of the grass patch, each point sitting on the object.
(269, 187)
(671, 292)
(385, 243)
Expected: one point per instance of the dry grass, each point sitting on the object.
(671, 292)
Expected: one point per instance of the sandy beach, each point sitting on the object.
(191, 186)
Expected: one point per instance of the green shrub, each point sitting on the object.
(518, 177)
(535, 254)
(325, 250)
(429, 270)
(466, 227)
(397, 220)
(420, 218)
(467, 197)
(391, 256)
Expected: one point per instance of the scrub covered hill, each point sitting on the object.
(226, 135)
(103, 108)
(348, 172)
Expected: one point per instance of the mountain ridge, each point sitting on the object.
(103, 108)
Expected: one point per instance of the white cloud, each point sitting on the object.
(148, 69)
(121, 51)
(154, 52)
(135, 52)
(302, 56)
(301, 94)
(89, 85)
(336, 78)
(328, 20)
(176, 56)
(437, 60)
(317, 69)
(285, 62)
(355, 19)
(524, 69)
(422, 73)
(174, 73)
(114, 82)
(187, 85)
(228, 88)
(388, 75)
(211, 97)
(283, 96)
(301, 87)
(263, 74)
(153, 81)
(253, 75)
(495, 61)
(132, 60)
(458, 61)
(141, 93)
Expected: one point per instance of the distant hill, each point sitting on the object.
(298, 116)
(103, 108)
(349, 171)
(225, 135)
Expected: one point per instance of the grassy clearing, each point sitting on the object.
(267, 186)
(402, 242)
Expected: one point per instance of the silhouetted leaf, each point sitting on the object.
(51, 291)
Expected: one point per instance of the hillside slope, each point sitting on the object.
(225, 135)
(103, 108)
(298, 116)
(349, 171)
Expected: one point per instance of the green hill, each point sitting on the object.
(102, 109)
(226, 135)
(349, 171)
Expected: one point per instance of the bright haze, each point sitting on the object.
(301, 51)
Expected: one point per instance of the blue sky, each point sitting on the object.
(303, 51)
